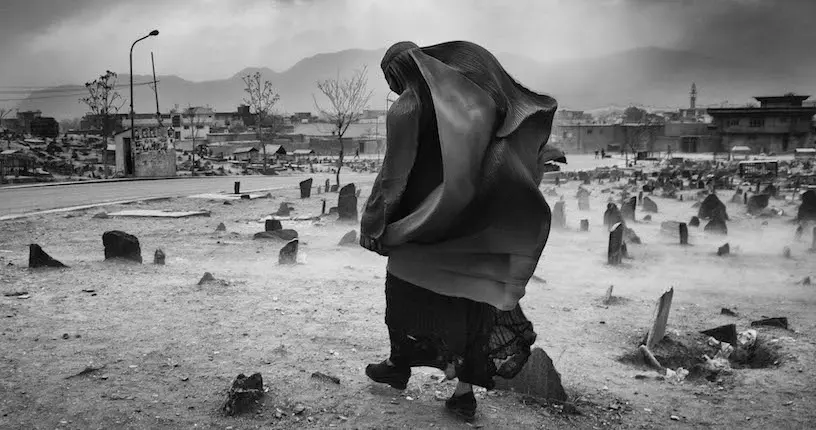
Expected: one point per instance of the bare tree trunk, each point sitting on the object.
(339, 164)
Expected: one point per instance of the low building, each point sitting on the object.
(15, 162)
(689, 137)
(152, 154)
(249, 154)
(779, 124)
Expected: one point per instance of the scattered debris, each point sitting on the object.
(16, 293)
(150, 213)
(724, 333)
(781, 322)
(326, 378)
(729, 312)
(86, 371)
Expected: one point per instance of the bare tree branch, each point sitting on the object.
(104, 102)
(347, 98)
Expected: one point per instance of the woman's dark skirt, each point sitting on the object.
(429, 329)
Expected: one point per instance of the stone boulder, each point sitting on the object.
(119, 244)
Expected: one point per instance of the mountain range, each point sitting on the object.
(650, 77)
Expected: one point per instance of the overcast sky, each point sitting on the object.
(48, 42)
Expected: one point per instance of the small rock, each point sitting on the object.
(675, 418)
(299, 409)
(101, 215)
(208, 277)
(66, 336)
(221, 227)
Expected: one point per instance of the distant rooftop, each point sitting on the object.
(787, 100)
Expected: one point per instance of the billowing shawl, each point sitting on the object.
(481, 232)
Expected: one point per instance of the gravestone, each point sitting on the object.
(245, 197)
(640, 197)
(583, 203)
(695, 222)
(119, 244)
(807, 210)
(627, 210)
(220, 227)
(284, 209)
(537, 378)
(243, 394)
(349, 239)
(771, 190)
(647, 218)
(334, 188)
(758, 202)
(712, 205)
(559, 218)
(306, 189)
(614, 253)
(584, 225)
(159, 257)
(661, 318)
(717, 223)
(683, 233)
(612, 215)
(282, 234)
(608, 296)
(800, 230)
(288, 254)
(649, 205)
(323, 210)
(737, 198)
(272, 225)
(39, 258)
(347, 203)
(629, 235)
(724, 250)
(236, 188)
(328, 186)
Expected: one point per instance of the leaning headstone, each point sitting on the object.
(306, 189)
(39, 258)
(288, 254)
(711, 205)
(559, 218)
(119, 244)
(334, 188)
(158, 257)
(347, 203)
(537, 378)
(614, 253)
(272, 225)
(695, 222)
(221, 227)
(758, 202)
(649, 205)
(683, 228)
(612, 215)
(282, 234)
(807, 210)
(284, 209)
(628, 209)
(608, 296)
(349, 239)
(724, 250)
(661, 318)
(584, 225)
(243, 394)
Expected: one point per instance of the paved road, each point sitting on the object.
(26, 200)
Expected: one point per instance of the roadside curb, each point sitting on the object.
(95, 181)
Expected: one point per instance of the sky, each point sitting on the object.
(51, 42)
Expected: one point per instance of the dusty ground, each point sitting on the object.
(170, 348)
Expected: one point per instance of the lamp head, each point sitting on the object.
(154, 33)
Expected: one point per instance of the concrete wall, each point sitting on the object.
(155, 163)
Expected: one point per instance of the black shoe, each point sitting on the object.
(388, 374)
(464, 406)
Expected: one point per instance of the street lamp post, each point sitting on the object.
(132, 112)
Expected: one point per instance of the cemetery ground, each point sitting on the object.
(166, 349)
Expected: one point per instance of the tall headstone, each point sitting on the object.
(272, 225)
(119, 244)
(712, 205)
(612, 215)
(39, 258)
(584, 225)
(347, 203)
(159, 257)
(323, 210)
(627, 210)
(614, 253)
(559, 217)
(328, 185)
(306, 188)
(236, 188)
(683, 234)
(661, 318)
(288, 254)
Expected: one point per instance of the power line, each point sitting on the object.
(74, 93)
(65, 89)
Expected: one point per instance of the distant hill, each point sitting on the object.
(646, 76)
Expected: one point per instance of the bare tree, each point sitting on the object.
(104, 102)
(261, 98)
(3, 113)
(347, 97)
(196, 123)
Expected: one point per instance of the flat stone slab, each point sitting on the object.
(148, 213)
(216, 196)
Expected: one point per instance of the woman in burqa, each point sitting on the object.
(457, 210)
